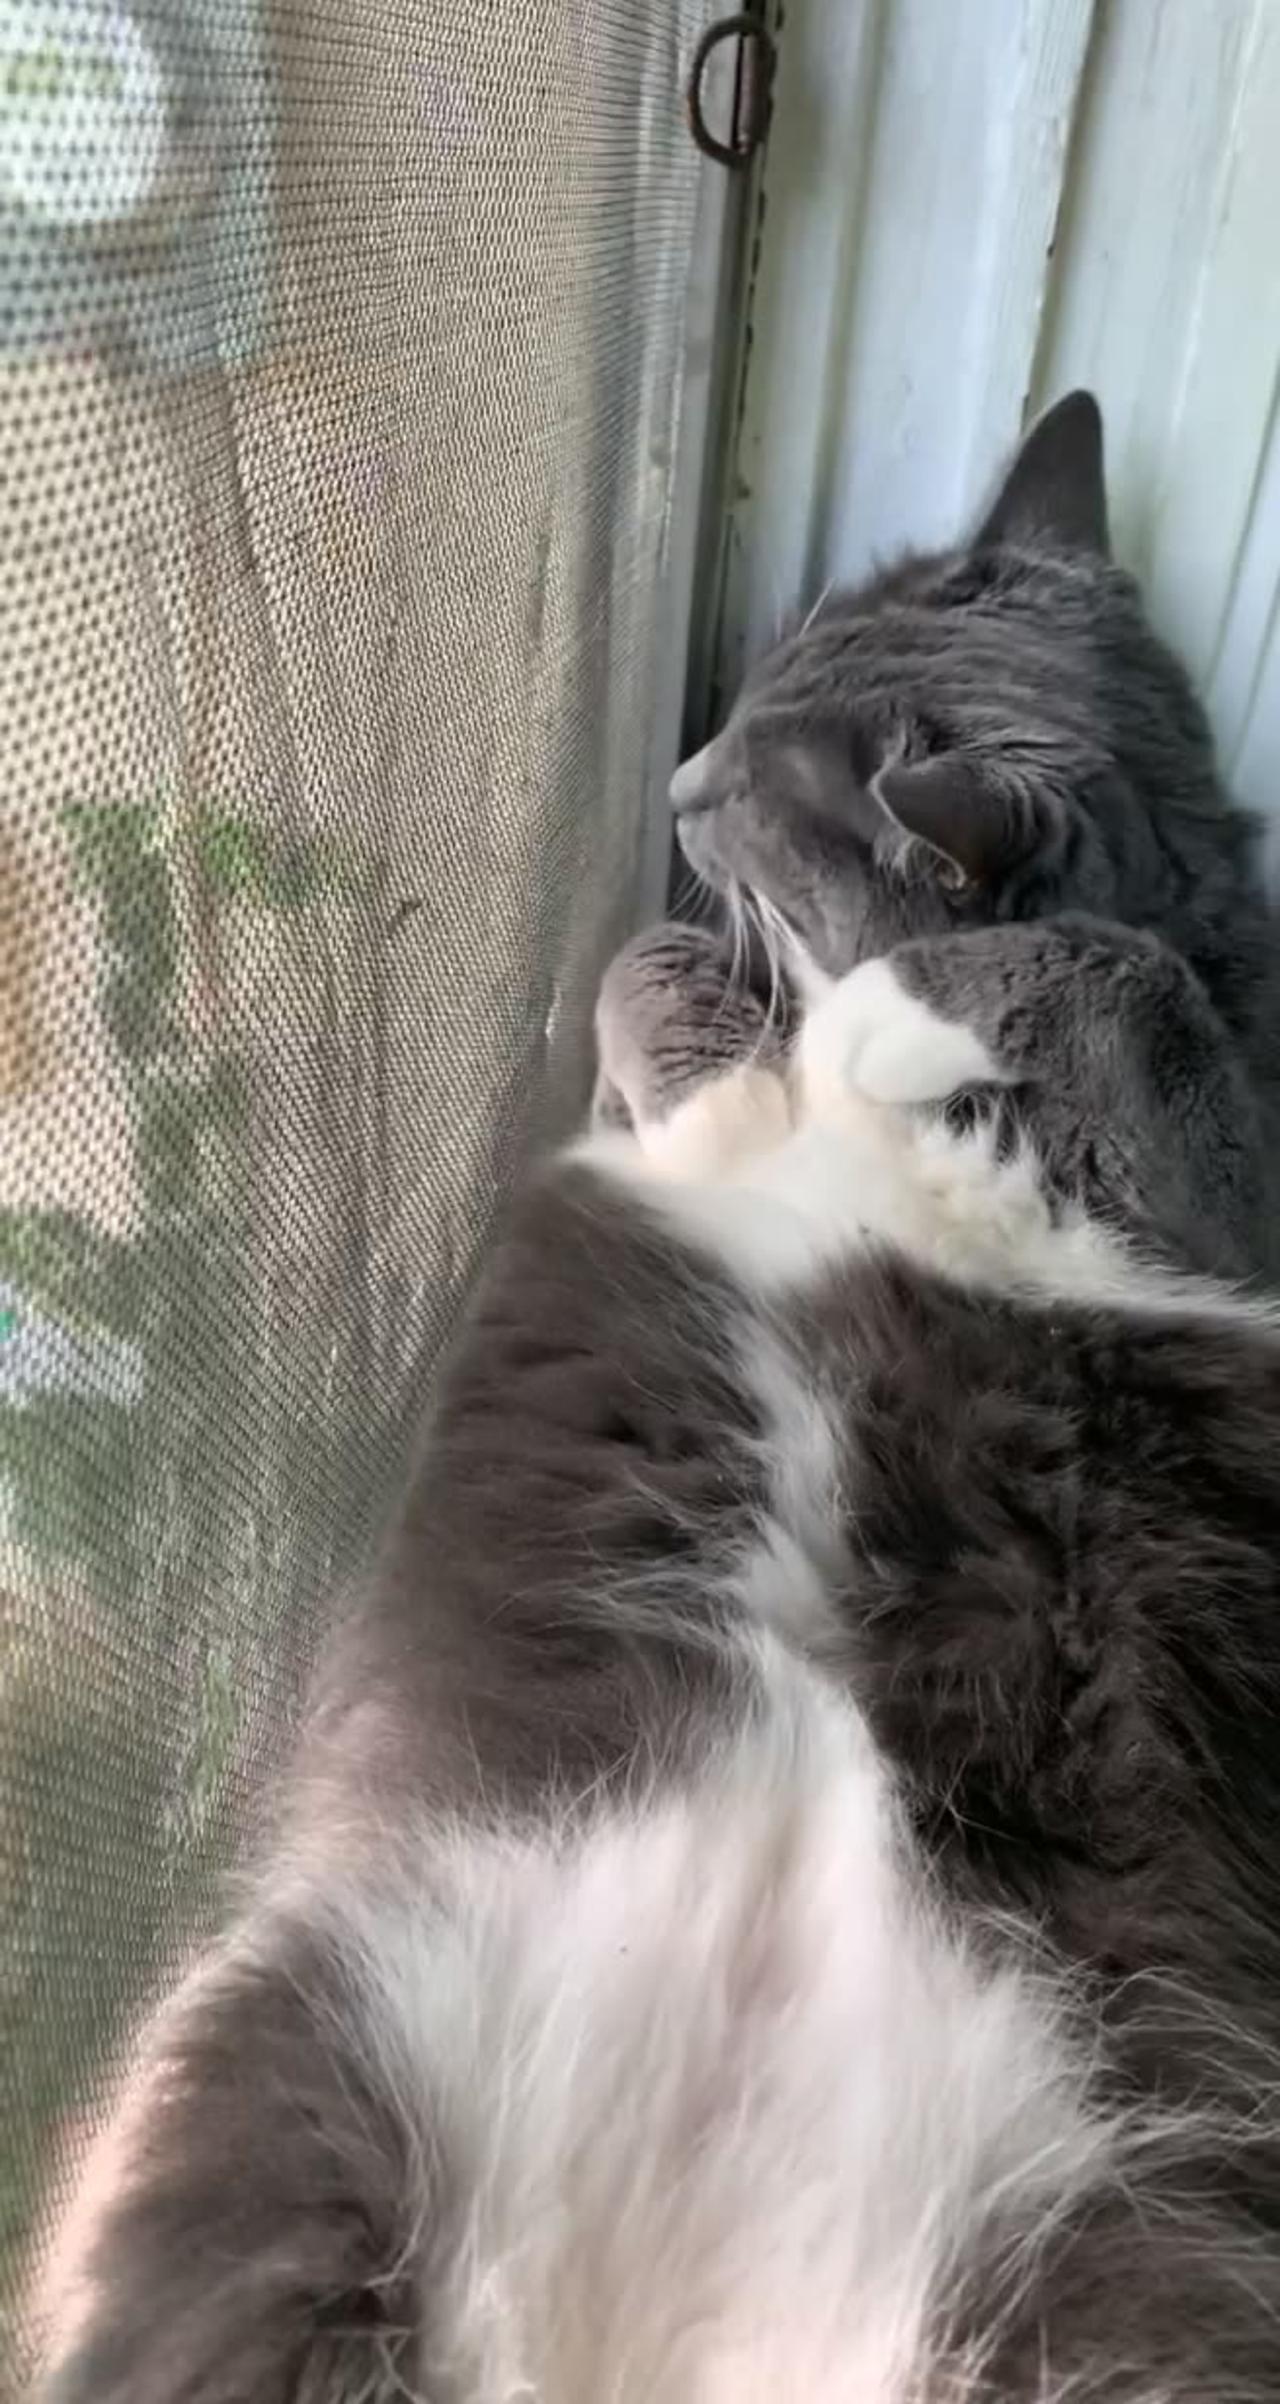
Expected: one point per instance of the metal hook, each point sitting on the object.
(753, 98)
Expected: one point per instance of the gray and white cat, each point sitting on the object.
(779, 1895)
(991, 733)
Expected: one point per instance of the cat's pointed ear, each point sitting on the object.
(977, 826)
(1055, 490)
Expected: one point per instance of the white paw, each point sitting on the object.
(869, 1036)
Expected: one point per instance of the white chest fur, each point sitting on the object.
(728, 2102)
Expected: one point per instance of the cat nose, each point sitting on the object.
(689, 787)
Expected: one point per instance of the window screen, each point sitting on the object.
(339, 379)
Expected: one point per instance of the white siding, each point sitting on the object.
(971, 205)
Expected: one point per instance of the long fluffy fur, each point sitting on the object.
(700, 2092)
(600, 2029)
(778, 1892)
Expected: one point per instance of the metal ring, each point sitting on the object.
(753, 100)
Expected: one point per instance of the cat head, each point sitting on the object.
(991, 732)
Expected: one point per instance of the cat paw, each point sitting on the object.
(870, 1036)
(672, 1016)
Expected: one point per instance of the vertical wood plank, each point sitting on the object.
(912, 189)
(1137, 234)
(1221, 427)
(971, 143)
(1247, 654)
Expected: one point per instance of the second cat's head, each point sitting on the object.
(990, 732)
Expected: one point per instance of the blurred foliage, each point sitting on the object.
(119, 1511)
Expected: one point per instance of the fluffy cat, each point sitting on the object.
(990, 733)
(780, 1893)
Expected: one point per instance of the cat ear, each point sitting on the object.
(1055, 491)
(975, 824)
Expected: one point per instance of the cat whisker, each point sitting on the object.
(764, 921)
(735, 900)
(781, 946)
(815, 606)
(705, 897)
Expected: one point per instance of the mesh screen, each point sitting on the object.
(338, 392)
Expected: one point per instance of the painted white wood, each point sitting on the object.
(1250, 605)
(1157, 256)
(912, 186)
(1205, 503)
(1255, 768)
(973, 205)
(792, 414)
(1138, 209)
(969, 139)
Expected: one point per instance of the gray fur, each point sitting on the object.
(1055, 487)
(1139, 1104)
(1168, 1112)
(672, 1012)
(1062, 1600)
(990, 733)
(1062, 1613)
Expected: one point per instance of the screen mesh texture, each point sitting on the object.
(339, 388)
